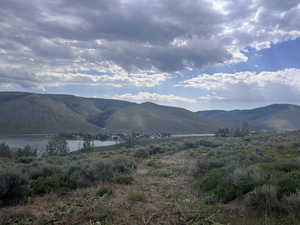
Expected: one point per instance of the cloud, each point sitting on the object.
(91, 75)
(137, 36)
(275, 86)
(154, 97)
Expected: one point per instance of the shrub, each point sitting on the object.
(103, 171)
(209, 199)
(123, 180)
(41, 170)
(208, 144)
(225, 192)
(104, 191)
(189, 144)
(265, 199)
(154, 163)
(289, 184)
(203, 166)
(286, 166)
(88, 174)
(137, 196)
(229, 183)
(155, 150)
(12, 188)
(246, 179)
(292, 202)
(25, 160)
(123, 165)
(141, 153)
(84, 177)
(59, 182)
(210, 182)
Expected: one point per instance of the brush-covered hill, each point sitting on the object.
(277, 117)
(149, 118)
(27, 113)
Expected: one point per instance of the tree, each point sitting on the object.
(57, 146)
(243, 131)
(223, 132)
(130, 140)
(27, 151)
(88, 145)
(5, 151)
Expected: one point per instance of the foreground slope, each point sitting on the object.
(149, 118)
(278, 117)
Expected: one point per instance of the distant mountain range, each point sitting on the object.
(278, 117)
(29, 113)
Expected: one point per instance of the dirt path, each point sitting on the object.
(165, 182)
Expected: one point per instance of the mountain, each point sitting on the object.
(277, 117)
(29, 113)
(149, 117)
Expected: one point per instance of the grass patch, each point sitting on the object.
(104, 191)
(136, 196)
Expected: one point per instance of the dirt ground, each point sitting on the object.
(163, 185)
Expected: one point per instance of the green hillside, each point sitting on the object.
(27, 113)
(149, 117)
(278, 117)
(40, 114)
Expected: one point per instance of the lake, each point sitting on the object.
(193, 135)
(40, 143)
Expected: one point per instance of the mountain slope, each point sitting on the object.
(278, 117)
(28, 113)
(22, 113)
(149, 117)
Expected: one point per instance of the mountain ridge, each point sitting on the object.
(274, 117)
(27, 113)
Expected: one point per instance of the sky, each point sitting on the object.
(196, 54)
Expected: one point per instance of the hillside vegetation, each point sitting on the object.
(35, 113)
(184, 181)
(273, 118)
(151, 118)
(27, 113)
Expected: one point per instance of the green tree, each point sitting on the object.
(5, 152)
(223, 132)
(27, 151)
(57, 146)
(88, 145)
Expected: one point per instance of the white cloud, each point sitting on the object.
(283, 85)
(56, 43)
(154, 97)
(77, 74)
(210, 97)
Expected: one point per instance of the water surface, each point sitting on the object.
(40, 142)
(193, 135)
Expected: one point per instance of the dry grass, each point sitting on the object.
(84, 206)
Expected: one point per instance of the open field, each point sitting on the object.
(188, 181)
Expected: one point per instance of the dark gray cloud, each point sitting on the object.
(138, 35)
